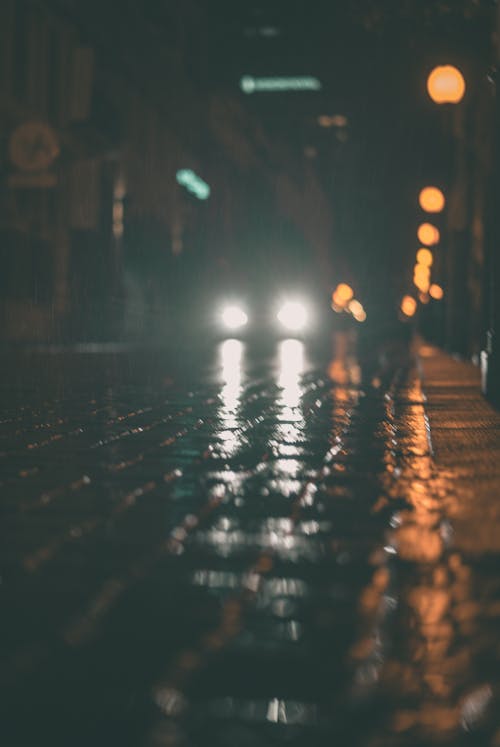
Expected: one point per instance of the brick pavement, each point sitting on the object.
(271, 550)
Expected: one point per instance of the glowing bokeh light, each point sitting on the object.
(193, 183)
(421, 278)
(421, 271)
(408, 306)
(424, 257)
(335, 120)
(293, 316)
(355, 307)
(431, 199)
(234, 317)
(344, 292)
(249, 84)
(338, 303)
(446, 85)
(357, 310)
(436, 292)
(428, 234)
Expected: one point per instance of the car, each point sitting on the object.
(283, 314)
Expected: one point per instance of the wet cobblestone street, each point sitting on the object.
(257, 549)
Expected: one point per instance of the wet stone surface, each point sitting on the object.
(254, 550)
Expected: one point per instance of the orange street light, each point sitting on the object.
(431, 199)
(446, 85)
(357, 310)
(424, 257)
(428, 234)
(344, 292)
(436, 292)
(408, 306)
(420, 271)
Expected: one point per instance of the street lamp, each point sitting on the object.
(424, 257)
(408, 306)
(428, 234)
(431, 199)
(446, 85)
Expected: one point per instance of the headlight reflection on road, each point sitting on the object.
(231, 356)
(289, 434)
(291, 363)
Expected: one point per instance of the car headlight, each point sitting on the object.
(293, 315)
(234, 317)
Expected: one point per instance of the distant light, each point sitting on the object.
(408, 306)
(421, 271)
(117, 211)
(431, 199)
(335, 120)
(269, 31)
(344, 292)
(436, 292)
(421, 278)
(120, 189)
(423, 298)
(310, 151)
(249, 84)
(428, 234)
(355, 307)
(193, 183)
(446, 85)
(293, 316)
(234, 317)
(265, 31)
(422, 285)
(357, 310)
(424, 257)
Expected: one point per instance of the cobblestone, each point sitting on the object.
(253, 550)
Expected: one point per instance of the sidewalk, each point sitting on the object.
(465, 432)
(441, 674)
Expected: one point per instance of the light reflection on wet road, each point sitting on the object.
(250, 552)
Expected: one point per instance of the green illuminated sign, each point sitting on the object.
(249, 84)
(193, 183)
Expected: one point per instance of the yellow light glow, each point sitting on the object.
(408, 306)
(421, 271)
(431, 199)
(357, 310)
(428, 234)
(424, 257)
(293, 316)
(344, 292)
(422, 285)
(355, 307)
(436, 292)
(422, 278)
(423, 298)
(446, 85)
